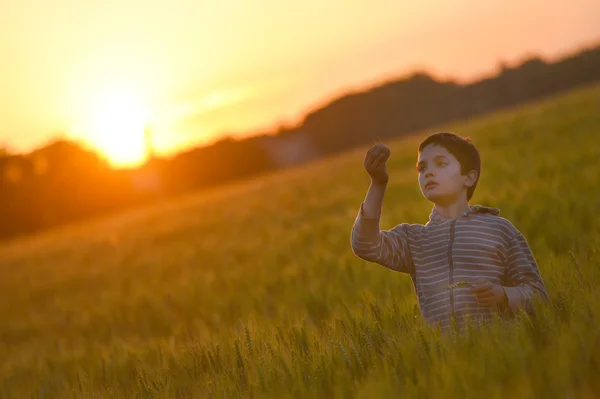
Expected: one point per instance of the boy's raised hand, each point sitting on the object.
(375, 163)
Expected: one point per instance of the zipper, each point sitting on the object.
(451, 264)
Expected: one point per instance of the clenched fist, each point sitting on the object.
(375, 163)
(489, 294)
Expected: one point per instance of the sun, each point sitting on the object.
(118, 121)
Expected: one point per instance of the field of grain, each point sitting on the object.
(253, 290)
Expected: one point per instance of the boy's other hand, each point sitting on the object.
(489, 294)
(375, 163)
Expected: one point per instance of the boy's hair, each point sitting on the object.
(463, 150)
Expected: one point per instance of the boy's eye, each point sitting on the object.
(442, 164)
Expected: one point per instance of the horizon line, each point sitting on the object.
(276, 124)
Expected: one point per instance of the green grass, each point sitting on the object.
(253, 290)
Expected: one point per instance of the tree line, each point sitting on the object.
(62, 182)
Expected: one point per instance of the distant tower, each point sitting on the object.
(148, 142)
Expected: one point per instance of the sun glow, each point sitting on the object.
(117, 123)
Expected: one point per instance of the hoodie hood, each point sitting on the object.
(436, 217)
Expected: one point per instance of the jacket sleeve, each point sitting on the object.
(523, 279)
(388, 248)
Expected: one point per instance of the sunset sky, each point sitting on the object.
(101, 70)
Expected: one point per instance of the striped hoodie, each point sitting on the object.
(478, 245)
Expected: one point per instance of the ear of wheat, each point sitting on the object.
(459, 284)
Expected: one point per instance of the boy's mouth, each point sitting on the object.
(430, 184)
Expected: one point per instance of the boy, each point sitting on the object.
(466, 261)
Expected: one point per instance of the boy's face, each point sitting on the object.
(440, 179)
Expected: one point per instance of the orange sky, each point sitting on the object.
(200, 68)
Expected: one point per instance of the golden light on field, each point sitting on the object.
(118, 118)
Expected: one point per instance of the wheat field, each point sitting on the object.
(252, 290)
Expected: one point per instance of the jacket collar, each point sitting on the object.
(435, 217)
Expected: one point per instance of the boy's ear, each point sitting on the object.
(471, 178)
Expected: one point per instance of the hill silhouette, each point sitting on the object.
(420, 101)
(62, 182)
